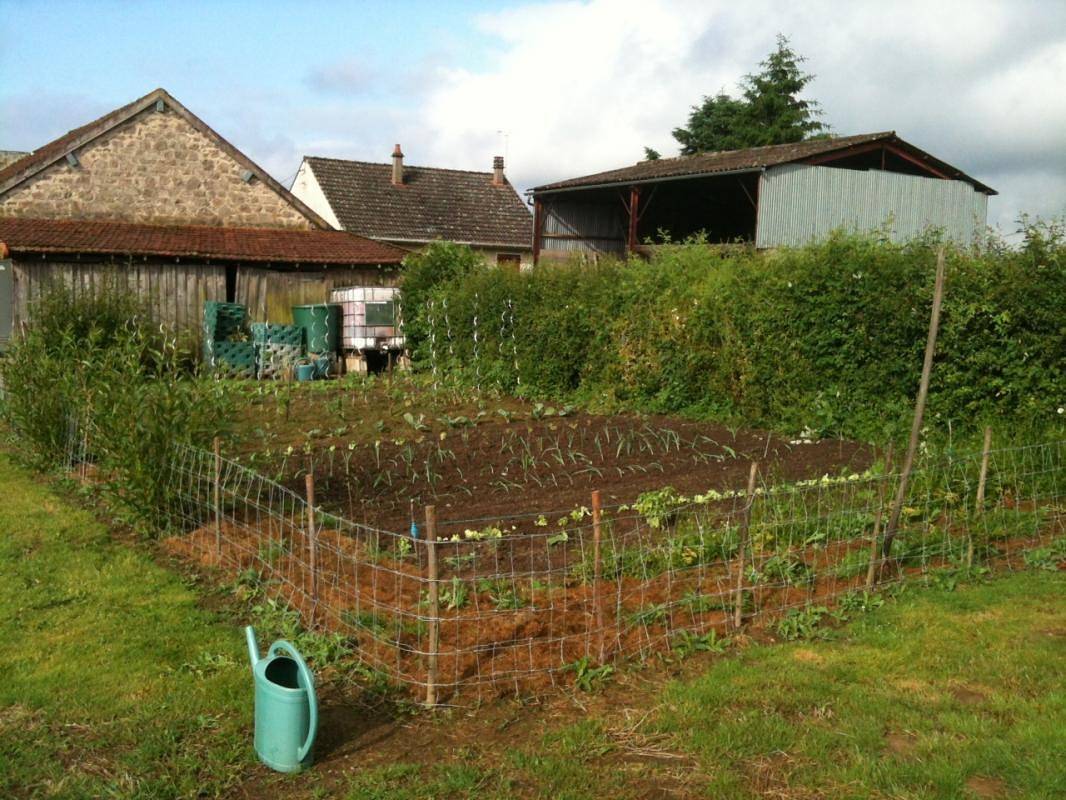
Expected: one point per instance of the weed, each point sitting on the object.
(686, 643)
(586, 676)
(801, 623)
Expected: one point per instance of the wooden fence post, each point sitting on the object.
(218, 500)
(979, 504)
(312, 542)
(745, 522)
(597, 598)
(919, 407)
(875, 550)
(434, 606)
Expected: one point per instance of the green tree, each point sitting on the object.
(769, 110)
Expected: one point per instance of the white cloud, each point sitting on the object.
(581, 87)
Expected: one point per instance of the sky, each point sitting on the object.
(560, 88)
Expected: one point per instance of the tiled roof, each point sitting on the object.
(432, 204)
(753, 158)
(10, 157)
(194, 241)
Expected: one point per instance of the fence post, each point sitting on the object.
(919, 407)
(312, 542)
(745, 522)
(434, 606)
(871, 569)
(597, 598)
(218, 500)
(979, 504)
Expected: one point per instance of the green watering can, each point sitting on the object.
(286, 710)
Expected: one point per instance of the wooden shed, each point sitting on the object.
(150, 198)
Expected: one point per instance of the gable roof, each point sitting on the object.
(10, 157)
(276, 245)
(433, 203)
(43, 157)
(755, 159)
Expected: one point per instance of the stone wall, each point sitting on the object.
(155, 168)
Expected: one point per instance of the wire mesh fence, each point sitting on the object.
(523, 603)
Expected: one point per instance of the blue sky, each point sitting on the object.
(561, 88)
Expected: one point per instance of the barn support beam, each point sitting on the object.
(538, 228)
(634, 217)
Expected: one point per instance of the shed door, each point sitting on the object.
(7, 301)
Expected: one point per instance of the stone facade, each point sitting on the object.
(155, 168)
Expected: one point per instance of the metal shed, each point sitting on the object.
(771, 196)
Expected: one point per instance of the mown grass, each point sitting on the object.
(117, 682)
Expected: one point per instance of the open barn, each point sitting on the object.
(780, 195)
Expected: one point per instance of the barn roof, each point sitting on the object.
(24, 168)
(755, 159)
(274, 245)
(432, 203)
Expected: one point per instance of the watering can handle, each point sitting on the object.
(309, 681)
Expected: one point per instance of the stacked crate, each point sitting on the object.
(277, 348)
(228, 358)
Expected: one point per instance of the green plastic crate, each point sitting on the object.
(273, 333)
(234, 359)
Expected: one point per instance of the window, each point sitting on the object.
(511, 261)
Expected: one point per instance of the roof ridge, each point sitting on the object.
(405, 166)
(831, 138)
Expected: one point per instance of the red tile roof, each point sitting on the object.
(194, 241)
(750, 159)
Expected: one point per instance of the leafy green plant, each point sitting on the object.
(686, 643)
(659, 507)
(801, 623)
(588, 677)
(1050, 557)
(455, 596)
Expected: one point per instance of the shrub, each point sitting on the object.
(827, 337)
(96, 367)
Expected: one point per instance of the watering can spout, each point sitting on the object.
(253, 645)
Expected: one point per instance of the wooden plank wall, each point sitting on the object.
(174, 292)
(270, 295)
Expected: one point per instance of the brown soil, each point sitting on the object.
(985, 787)
(487, 649)
(495, 470)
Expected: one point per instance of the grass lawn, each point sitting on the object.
(118, 682)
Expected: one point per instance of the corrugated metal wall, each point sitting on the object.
(174, 293)
(270, 295)
(799, 203)
(583, 227)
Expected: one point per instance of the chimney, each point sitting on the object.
(497, 171)
(397, 166)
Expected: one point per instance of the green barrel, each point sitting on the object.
(322, 326)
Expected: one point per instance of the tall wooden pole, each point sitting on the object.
(218, 500)
(919, 407)
(982, 479)
(745, 522)
(434, 606)
(879, 515)
(597, 598)
(634, 218)
(312, 542)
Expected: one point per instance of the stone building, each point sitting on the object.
(409, 206)
(150, 197)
